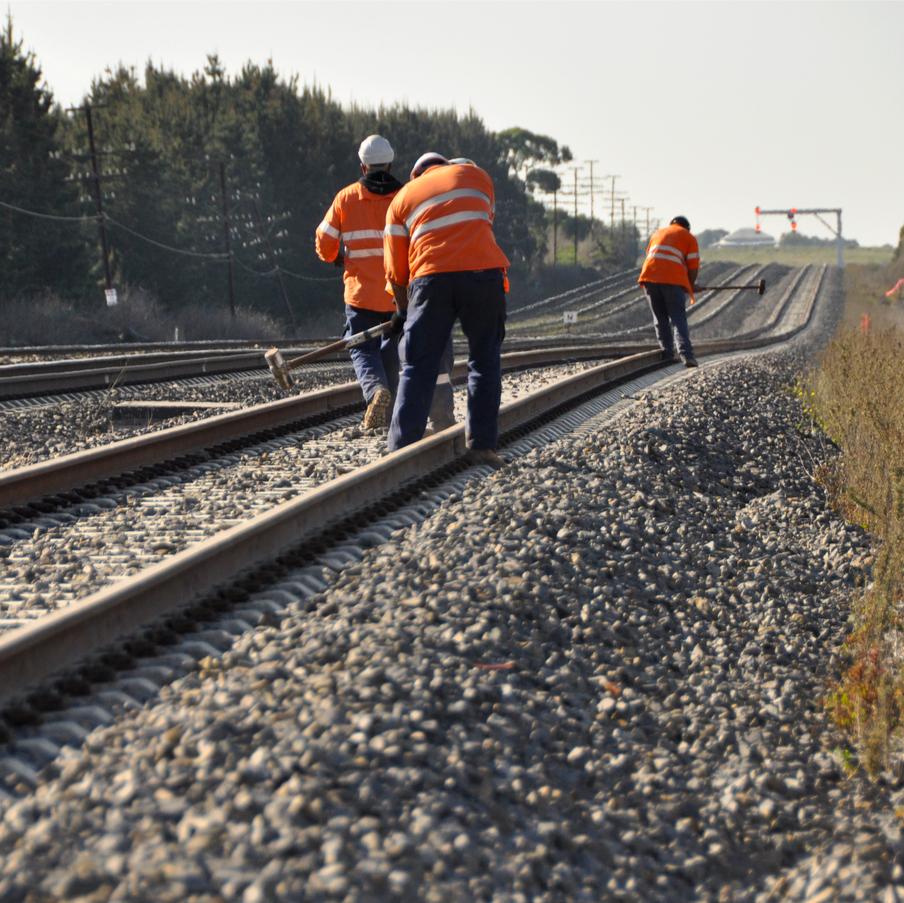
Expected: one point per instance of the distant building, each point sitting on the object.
(746, 238)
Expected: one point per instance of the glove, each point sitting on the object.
(396, 324)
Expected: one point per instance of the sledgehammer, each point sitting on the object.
(280, 368)
(759, 287)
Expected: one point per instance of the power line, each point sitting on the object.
(61, 219)
(218, 256)
(306, 278)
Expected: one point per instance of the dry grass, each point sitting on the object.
(46, 320)
(857, 396)
(796, 256)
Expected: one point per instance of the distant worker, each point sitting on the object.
(355, 220)
(443, 263)
(668, 276)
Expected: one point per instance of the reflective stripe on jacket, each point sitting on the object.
(355, 220)
(441, 222)
(671, 252)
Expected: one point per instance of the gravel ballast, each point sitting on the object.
(595, 675)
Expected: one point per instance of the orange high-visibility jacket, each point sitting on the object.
(356, 219)
(671, 252)
(441, 222)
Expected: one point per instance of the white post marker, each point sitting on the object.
(112, 299)
(570, 317)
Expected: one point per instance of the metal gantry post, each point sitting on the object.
(792, 212)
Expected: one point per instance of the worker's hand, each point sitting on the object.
(396, 324)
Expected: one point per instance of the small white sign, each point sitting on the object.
(112, 299)
(570, 317)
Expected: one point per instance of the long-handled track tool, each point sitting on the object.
(758, 287)
(280, 367)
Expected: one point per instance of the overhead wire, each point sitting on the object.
(52, 216)
(220, 256)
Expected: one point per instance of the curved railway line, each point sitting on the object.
(608, 310)
(143, 548)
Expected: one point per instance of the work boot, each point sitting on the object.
(689, 360)
(485, 456)
(376, 417)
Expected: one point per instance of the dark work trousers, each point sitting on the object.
(477, 300)
(667, 303)
(442, 410)
(376, 362)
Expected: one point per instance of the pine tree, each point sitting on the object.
(35, 253)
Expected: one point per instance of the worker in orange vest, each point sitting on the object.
(668, 276)
(355, 220)
(443, 263)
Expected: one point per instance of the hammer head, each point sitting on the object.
(278, 368)
(761, 287)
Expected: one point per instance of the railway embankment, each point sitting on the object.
(596, 673)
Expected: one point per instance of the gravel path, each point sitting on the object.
(595, 675)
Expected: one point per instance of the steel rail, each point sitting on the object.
(36, 651)
(34, 481)
(710, 311)
(118, 361)
(70, 472)
(40, 379)
(30, 653)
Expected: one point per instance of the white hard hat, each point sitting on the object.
(460, 160)
(375, 149)
(425, 161)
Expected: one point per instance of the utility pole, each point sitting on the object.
(590, 164)
(226, 239)
(109, 291)
(612, 209)
(282, 287)
(647, 209)
(555, 227)
(623, 217)
(576, 168)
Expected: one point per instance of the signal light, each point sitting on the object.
(757, 227)
(757, 210)
(794, 225)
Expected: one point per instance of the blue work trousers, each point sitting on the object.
(667, 304)
(477, 300)
(376, 362)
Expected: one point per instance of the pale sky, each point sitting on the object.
(701, 108)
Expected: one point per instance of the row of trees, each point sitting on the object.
(163, 142)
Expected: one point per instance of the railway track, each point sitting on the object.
(42, 383)
(609, 303)
(222, 568)
(149, 450)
